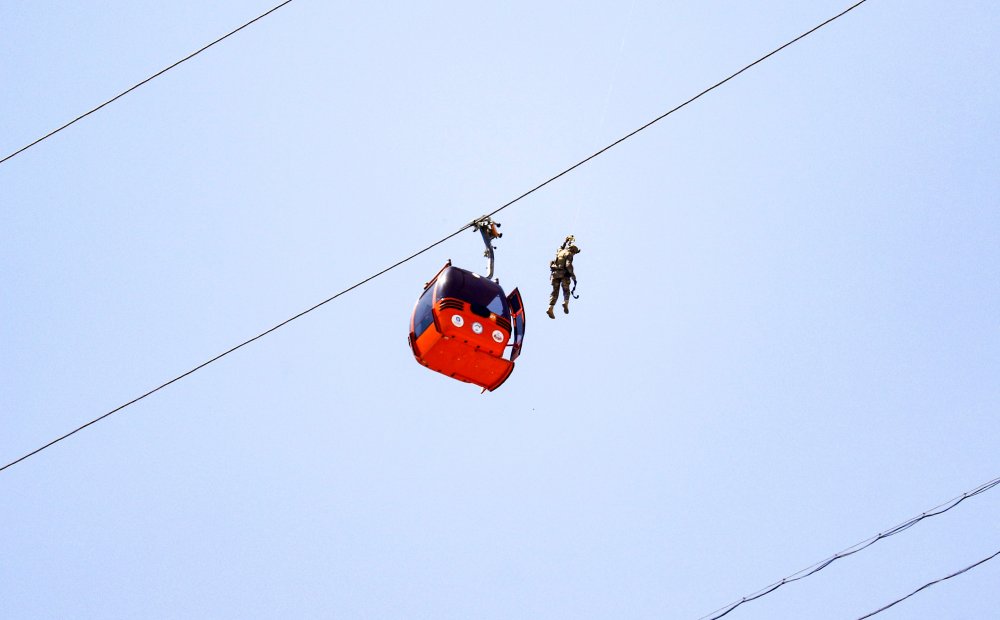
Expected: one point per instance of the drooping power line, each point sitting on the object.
(231, 350)
(692, 99)
(149, 79)
(927, 585)
(868, 542)
(418, 253)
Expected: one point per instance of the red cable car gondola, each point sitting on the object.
(462, 322)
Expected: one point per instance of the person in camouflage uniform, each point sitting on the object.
(562, 274)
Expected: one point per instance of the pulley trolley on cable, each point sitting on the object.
(463, 322)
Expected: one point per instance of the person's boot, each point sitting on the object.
(549, 312)
(566, 307)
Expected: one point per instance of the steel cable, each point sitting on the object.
(815, 568)
(397, 264)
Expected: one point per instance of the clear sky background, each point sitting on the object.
(786, 339)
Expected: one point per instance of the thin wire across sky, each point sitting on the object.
(929, 584)
(849, 551)
(415, 254)
(143, 82)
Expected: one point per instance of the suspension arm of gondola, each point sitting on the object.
(489, 230)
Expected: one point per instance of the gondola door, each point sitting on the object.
(517, 322)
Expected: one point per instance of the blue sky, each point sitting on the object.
(786, 340)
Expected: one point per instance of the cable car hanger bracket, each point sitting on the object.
(490, 231)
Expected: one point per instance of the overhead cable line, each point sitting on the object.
(436, 243)
(927, 585)
(149, 79)
(868, 542)
(239, 346)
(692, 99)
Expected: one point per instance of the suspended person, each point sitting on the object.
(562, 273)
